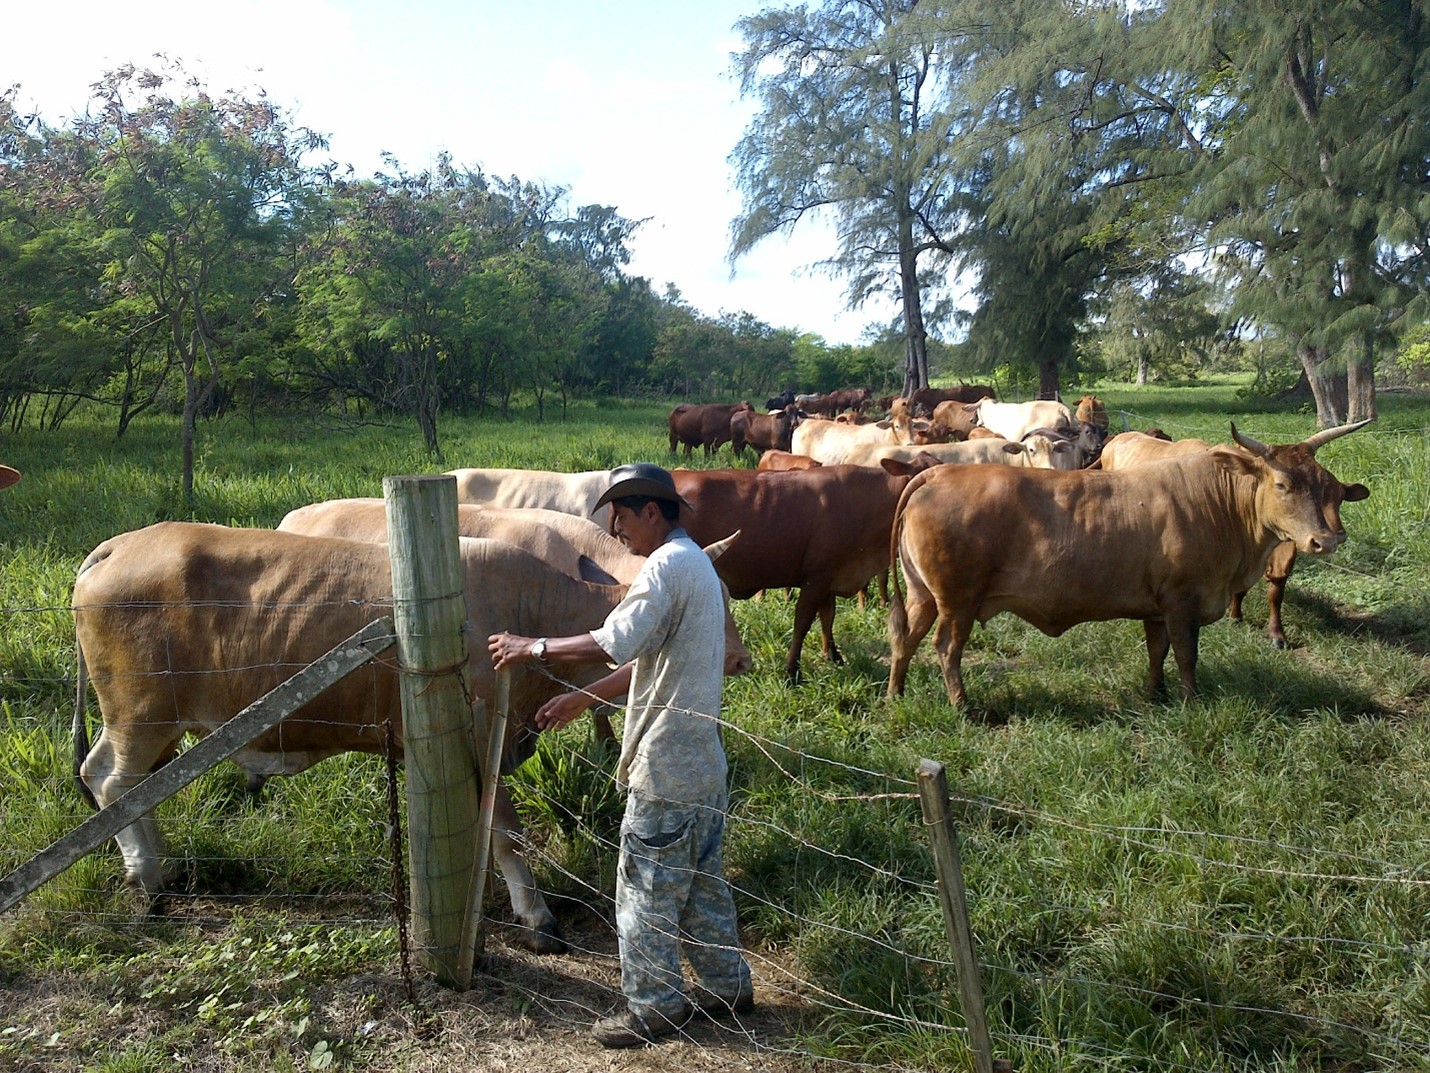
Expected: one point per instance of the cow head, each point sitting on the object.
(1296, 496)
(737, 657)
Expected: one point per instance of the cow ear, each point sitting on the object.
(1237, 463)
(1011, 448)
(1356, 492)
(896, 467)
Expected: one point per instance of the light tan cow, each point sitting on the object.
(181, 625)
(571, 493)
(1042, 452)
(1014, 420)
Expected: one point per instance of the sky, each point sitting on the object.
(629, 103)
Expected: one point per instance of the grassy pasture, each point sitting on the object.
(1235, 884)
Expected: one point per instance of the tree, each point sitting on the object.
(846, 125)
(1315, 175)
(185, 200)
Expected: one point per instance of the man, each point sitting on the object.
(667, 639)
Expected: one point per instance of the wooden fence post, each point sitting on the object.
(933, 796)
(429, 610)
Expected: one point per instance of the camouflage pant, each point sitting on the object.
(671, 897)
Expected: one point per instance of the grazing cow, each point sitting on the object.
(1043, 452)
(763, 432)
(926, 399)
(706, 425)
(780, 461)
(1167, 543)
(8, 476)
(854, 398)
(1136, 448)
(570, 493)
(824, 531)
(181, 625)
(1014, 420)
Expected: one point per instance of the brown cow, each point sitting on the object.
(1167, 543)
(706, 425)
(960, 418)
(1136, 448)
(824, 531)
(763, 432)
(925, 399)
(852, 398)
(181, 625)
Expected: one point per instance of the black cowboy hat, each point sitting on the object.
(641, 479)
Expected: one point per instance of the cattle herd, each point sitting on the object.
(983, 506)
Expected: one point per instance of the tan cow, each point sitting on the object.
(829, 442)
(570, 493)
(1137, 448)
(181, 625)
(1014, 420)
(1168, 543)
(577, 547)
(1043, 452)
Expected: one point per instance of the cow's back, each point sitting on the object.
(829, 521)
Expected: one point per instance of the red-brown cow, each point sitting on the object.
(780, 461)
(763, 432)
(824, 531)
(1167, 543)
(1137, 448)
(925, 399)
(851, 398)
(705, 425)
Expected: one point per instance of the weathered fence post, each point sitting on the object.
(495, 730)
(442, 797)
(933, 796)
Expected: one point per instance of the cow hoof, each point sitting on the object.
(544, 939)
(1279, 642)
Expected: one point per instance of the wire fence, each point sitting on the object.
(237, 859)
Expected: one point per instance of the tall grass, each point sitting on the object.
(1238, 883)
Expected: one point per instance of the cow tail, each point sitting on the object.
(898, 616)
(80, 727)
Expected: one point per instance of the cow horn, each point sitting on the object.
(1256, 447)
(1326, 435)
(719, 548)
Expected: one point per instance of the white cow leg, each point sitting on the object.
(540, 933)
(109, 772)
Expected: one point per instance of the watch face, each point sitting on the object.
(538, 650)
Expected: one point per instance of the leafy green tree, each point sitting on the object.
(183, 201)
(848, 127)
(1310, 120)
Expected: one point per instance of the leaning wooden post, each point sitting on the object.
(933, 796)
(429, 611)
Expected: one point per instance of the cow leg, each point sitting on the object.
(1183, 634)
(826, 635)
(909, 621)
(811, 602)
(1158, 644)
(950, 637)
(540, 932)
(1233, 610)
(1275, 594)
(110, 770)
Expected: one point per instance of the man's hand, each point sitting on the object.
(509, 649)
(558, 711)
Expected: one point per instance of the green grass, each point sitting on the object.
(1240, 883)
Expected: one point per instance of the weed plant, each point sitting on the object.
(1238, 883)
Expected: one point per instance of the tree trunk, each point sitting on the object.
(191, 408)
(1142, 367)
(916, 357)
(1049, 384)
(1360, 383)
(1328, 384)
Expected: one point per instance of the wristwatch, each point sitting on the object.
(538, 650)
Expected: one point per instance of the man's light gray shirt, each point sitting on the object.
(672, 624)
